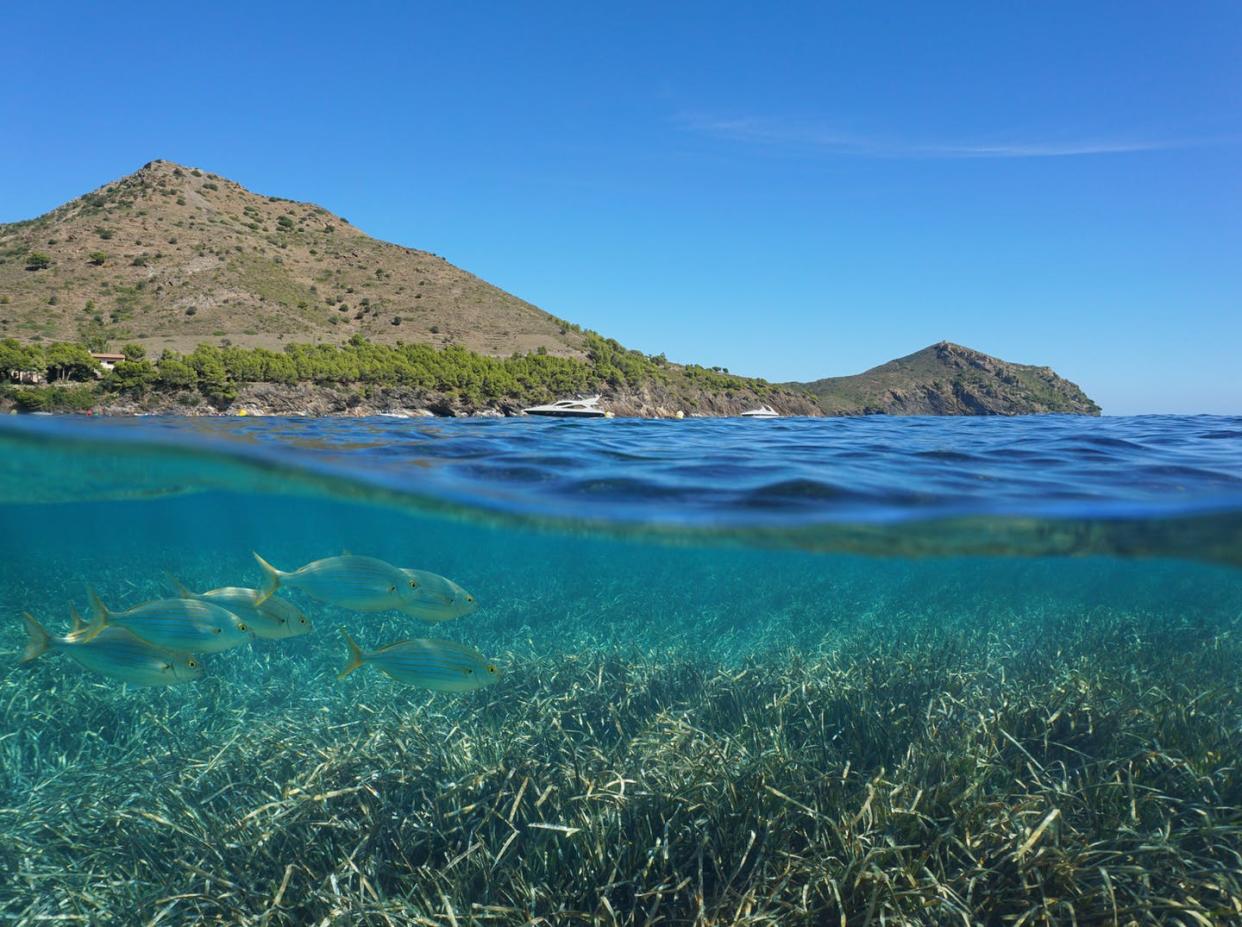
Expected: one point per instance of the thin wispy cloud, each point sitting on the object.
(819, 138)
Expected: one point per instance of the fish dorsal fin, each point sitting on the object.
(183, 592)
(76, 617)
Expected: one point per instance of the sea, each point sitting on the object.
(854, 671)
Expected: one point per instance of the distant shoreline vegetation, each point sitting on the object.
(66, 377)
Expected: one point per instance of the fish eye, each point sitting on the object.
(491, 669)
(216, 630)
(242, 627)
(392, 588)
(301, 619)
(413, 584)
(469, 670)
(469, 598)
(192, 664)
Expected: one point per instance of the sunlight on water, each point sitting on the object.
(913, 666)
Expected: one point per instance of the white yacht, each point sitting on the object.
(761, 412)
(587, 407)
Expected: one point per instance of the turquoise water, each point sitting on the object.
(799, 671)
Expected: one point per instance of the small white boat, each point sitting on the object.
(761, 412)
(587, 407)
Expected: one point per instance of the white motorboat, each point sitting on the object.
(761, 412)
(587, 407)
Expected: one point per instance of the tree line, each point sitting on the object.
(218, 371)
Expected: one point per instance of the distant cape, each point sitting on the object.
(948, 379)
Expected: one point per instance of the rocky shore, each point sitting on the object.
(361, 401)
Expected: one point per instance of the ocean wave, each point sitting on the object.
(715, 472)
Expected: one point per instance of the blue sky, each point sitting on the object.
(788, 190)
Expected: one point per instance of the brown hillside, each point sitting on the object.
(172, 256)
(948, 379)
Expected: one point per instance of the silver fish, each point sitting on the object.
(445, 666)
(114, 652)
(273, 619)
(438, 598)
(364, 584)
(179, 625)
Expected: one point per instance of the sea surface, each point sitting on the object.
(797, 671)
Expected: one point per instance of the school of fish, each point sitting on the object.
(161, 642)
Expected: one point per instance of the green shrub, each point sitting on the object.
(55, 398)
(37, 260)
(135, 376)
(175, 373)
(15, 357)
(98, 258)
(213, 376)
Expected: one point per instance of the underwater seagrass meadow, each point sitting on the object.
(793, 672)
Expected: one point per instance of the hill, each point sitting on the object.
(181, 265)
(948, 379)
(171, 256)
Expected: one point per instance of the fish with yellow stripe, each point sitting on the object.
(179, 625)
(363, 584)
(272, 619)
(445, 666)
(114, 652)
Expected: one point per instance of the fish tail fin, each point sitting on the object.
(356, 657)
(177, 586)
(38, 641)
(271, 580)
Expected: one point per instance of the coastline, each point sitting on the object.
(359, 401)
